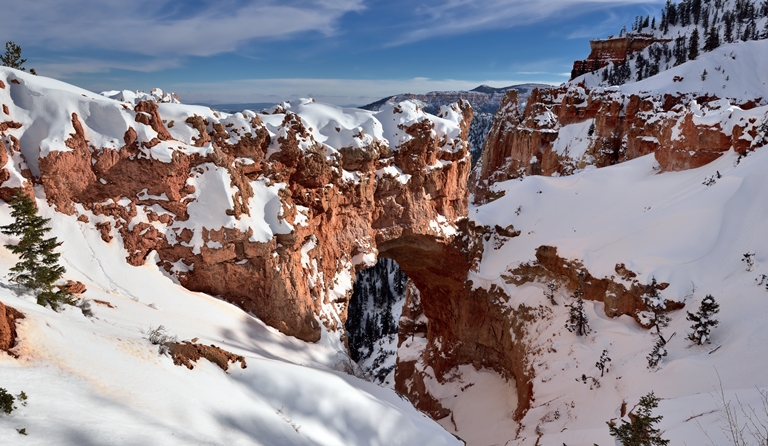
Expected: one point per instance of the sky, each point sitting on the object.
(346, 52)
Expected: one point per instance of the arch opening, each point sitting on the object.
(373, 319)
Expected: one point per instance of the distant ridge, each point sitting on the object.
(484, 98)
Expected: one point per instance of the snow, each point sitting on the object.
(213, 196)
(669, 226)
(733, 72)
(99, 381)
(573, 140)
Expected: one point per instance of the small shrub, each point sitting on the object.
(85, 308)
(6, 401)
(159, 336)
(23, 398)
(749, 259)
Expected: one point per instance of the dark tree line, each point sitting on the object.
(709, 23)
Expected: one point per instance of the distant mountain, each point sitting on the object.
(485, 100)
(239, 106)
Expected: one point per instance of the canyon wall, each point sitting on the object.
(613, 50)
(568, 128)
(255, 209)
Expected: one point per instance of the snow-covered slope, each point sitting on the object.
(732, 71)
(682, 31)
(99, 381)
(668, 226)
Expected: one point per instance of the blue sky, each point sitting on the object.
(338, 51)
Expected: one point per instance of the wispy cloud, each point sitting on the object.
(163, 27)
(436, 18)
(66, 67)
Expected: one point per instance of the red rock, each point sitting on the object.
(613, 50)
(8, 318)
(73, 287)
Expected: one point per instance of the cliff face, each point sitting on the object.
(613, 50)
(274, 213)
(568, 128)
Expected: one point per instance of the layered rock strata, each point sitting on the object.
(613, 50)
(273, 212)
(567, 128)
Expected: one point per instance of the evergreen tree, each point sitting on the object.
(728, 32)
(656, 354)
(681, 50)
(705, 20)
(712, 39)
(693, 45)
(577, 316)
(12, 57)
(671, 14)
(38, 268)
(601, 363)
(764, 35)
(640, 431)
(704, 320)
(655, 303)
(696, 10)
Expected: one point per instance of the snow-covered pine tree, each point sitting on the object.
(703, 320)
(550, 292)
(749, 259)
(656, 354)
(693, 45)
(12, 57)
(577, 316)
(655, 303)
(640, 431)
(38, 268)
(601, 363)
(712, 39)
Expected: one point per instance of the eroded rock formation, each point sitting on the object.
(567, 128)
(615, 50)
(256, 209)
(8, 318)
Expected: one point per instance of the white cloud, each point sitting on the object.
(161, 27)
(67, 67)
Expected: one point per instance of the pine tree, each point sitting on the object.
(680, 50)
(655, 303)
(12, 57)
(38, 268)
(601, 363)
(728, 32)
(671, 15)
(656, 354)
(693, 45)
(712, 39)
(640, 431)
(703, 320)
(577, 316)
